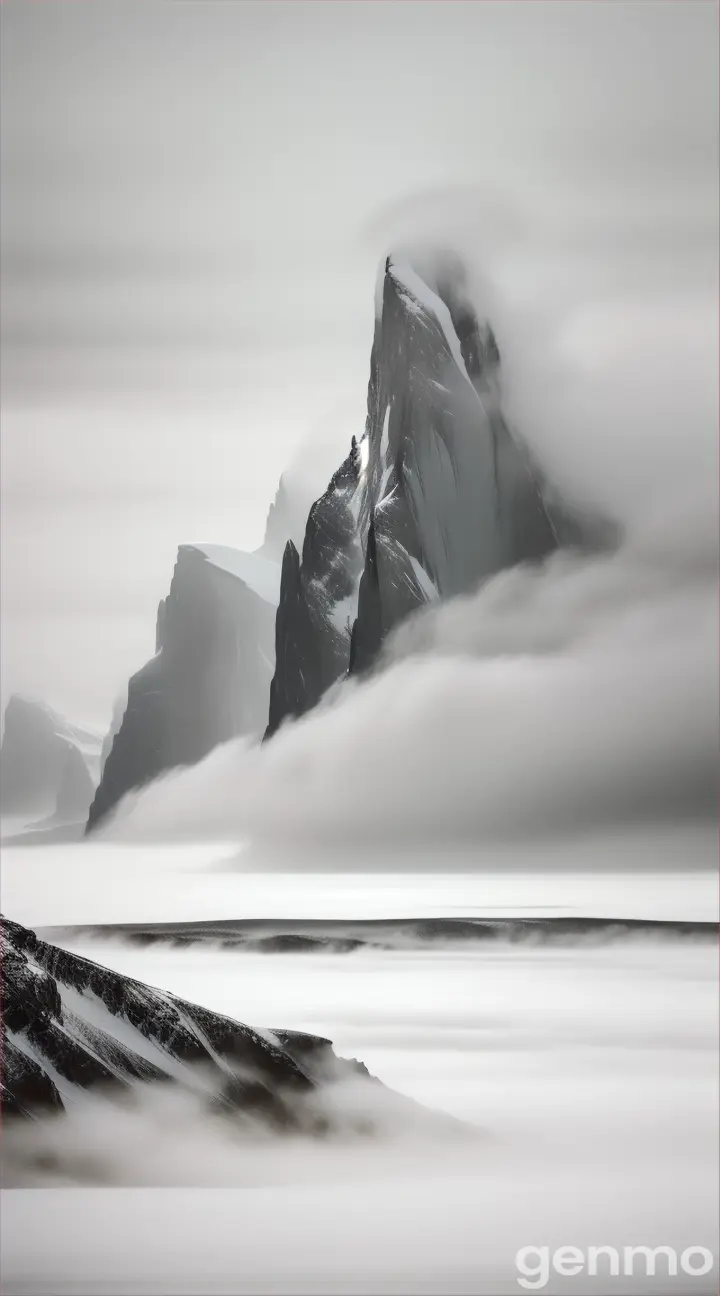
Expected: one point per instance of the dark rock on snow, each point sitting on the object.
(70, 1025)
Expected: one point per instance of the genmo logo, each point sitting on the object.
(537, 1263)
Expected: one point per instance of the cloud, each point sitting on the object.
(576, 1063)
(567, 699)
(589, 223)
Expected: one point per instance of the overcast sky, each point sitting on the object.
(194, 200)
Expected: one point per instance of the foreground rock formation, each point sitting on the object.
(210, 676)
(71, 1026)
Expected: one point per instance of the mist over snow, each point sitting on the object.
(196, 199)
(581, 697)
(591, 1072)
(108, 882)
(189, 310)
(565, 701)
(557, 701)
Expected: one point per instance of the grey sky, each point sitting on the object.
(194, 200)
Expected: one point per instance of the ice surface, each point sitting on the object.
(98, 882)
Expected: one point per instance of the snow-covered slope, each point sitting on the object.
(70, 1025)
(48, 767)
(437, 496)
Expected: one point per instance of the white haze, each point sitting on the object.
(195, 199)
(618, 875)
(555, 702)
(565, 702)
(591, 1070)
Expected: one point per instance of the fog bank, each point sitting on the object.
(593, 1071)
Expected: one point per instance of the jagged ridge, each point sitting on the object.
(438, 496)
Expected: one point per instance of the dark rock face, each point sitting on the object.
(438, 496)
(25, 1088)
(297, 658)
(45, 763)
(446, 480)
(317, 601)
(389, 591)
(208, 681)
(70, 1025)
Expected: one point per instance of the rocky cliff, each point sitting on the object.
(438, 495)
(209, 678)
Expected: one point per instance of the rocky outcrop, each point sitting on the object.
(46, 764)
(318, 598)
(438, 496)
(70, 1025)
(209, 679)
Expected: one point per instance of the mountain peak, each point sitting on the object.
(437, 496)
